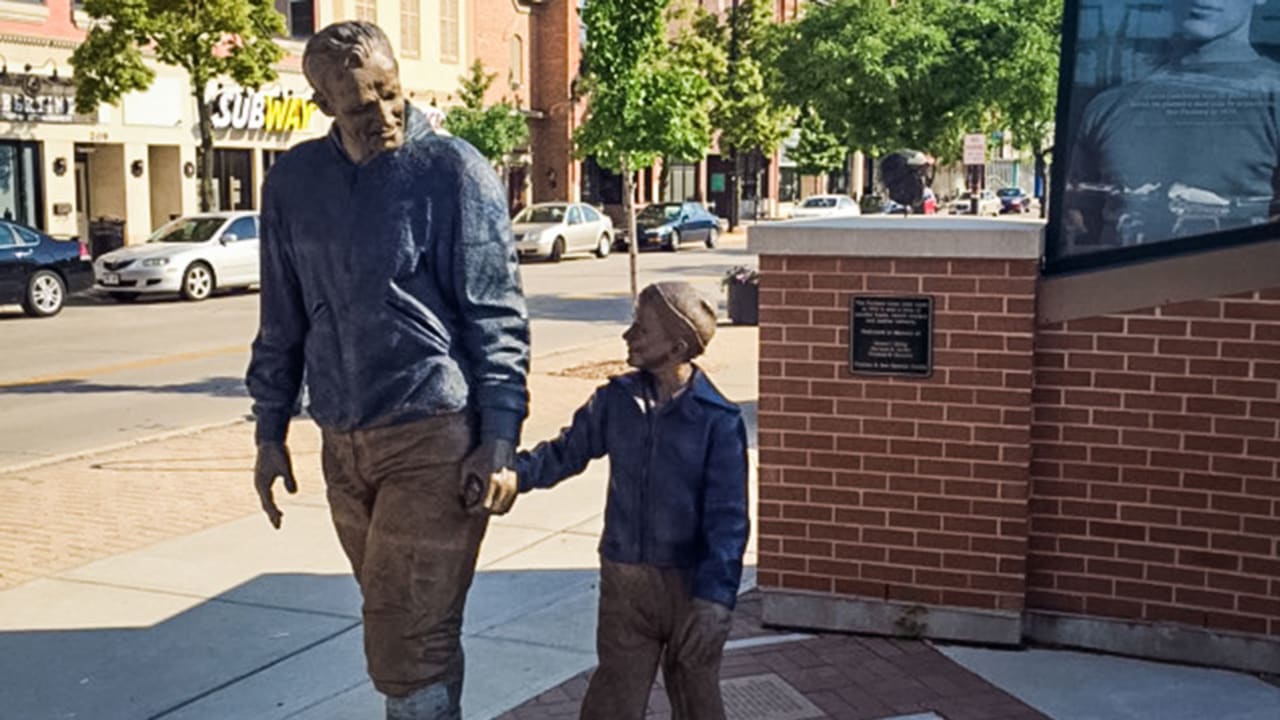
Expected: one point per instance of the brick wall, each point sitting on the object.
(495, 26)
(554, 58)
(1156, 455)
(910, 490)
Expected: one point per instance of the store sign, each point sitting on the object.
(37, 98)
(241, 110)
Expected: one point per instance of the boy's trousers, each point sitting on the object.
(643, 614)
(394, 495)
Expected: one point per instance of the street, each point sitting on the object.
(102, 374)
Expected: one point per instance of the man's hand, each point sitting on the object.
(489, 484)
(705, 629)
(273, 462)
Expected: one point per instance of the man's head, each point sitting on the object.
(352, 67)
(673, 324)
(1204, 20)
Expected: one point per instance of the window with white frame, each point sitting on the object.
(410, 28)
(449, 31)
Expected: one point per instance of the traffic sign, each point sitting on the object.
(975, 149)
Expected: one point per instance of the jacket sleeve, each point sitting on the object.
(580, 443)
(725, 525)
(493, 322)
(274, 377)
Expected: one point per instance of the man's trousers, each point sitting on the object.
(394, 496)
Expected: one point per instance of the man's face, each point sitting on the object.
(366, 103)
(649, 346)
(1205, 20)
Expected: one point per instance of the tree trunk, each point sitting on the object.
(735, 189)
(204, 157)
(1041, 180)
(629, 210)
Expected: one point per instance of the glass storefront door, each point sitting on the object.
(233, 174)
(20, 196)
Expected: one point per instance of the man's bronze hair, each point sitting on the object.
(344, 45)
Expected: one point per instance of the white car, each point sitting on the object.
(190, 256)
(550, 230)
(825, 206)
(988, 204)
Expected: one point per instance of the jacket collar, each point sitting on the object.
(699, 391)
(416, 126)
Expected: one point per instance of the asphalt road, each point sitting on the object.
(101, 374)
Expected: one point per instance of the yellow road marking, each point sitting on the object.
(131, 365)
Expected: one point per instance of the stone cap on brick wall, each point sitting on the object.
(889, 236)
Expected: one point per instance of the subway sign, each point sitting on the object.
(240, 110)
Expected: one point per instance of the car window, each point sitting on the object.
(543, 214)
(245, 228)
(820, 202)
(660, 212)
(7, 238)
(575, 216)
(590, 213)
(25, 236)
(188, 230)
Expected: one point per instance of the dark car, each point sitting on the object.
(40, 272)
(1014, 200)
(667, 225)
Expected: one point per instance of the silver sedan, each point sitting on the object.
(550, 230)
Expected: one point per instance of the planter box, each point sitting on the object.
(744, 304)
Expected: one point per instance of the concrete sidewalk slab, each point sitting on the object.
(1068, 685)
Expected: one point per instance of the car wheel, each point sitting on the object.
(673, 241)
(713, 238)
(124, 297)
(557, 251)
(197, 282)
(45, 294)
(603, 246)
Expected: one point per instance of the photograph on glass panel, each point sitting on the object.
(1168, 129)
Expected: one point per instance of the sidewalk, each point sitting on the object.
(144, 583)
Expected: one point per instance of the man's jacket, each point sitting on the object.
(395, 282)
(677, 477)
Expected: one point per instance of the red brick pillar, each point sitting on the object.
(896, 505)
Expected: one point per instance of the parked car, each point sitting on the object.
(550, 230)
(1014, 200)
(39, 272)
(668, 225)
(825, 206)
(988, 204)
(191, 256)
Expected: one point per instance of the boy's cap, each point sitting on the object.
(693, 313)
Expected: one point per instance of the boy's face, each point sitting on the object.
(1205, 20)
(649, 345)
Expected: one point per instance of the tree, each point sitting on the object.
(1029, 80)
(748, 116)
(921, 73)
(207, 38)
(817, 151)
(496, 130)
(642, 105)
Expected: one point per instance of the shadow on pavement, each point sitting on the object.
(286, 642)
(216, 387)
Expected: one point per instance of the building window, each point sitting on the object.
(682, 183)
(367, 10)
(410, 28)
(299, 17)
(449, 31)
(788, 184)
(20, 183)
(517, 62)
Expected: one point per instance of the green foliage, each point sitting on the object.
(919, 73)
(1030, 75)
(818, 151)
(207, 38)
(109, 63)
(748, 115)
(496, 130)
(643, 102)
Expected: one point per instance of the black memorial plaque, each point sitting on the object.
(891, 336)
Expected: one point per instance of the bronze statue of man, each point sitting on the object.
(389, 275)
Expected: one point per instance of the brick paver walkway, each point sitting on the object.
(848, 677)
